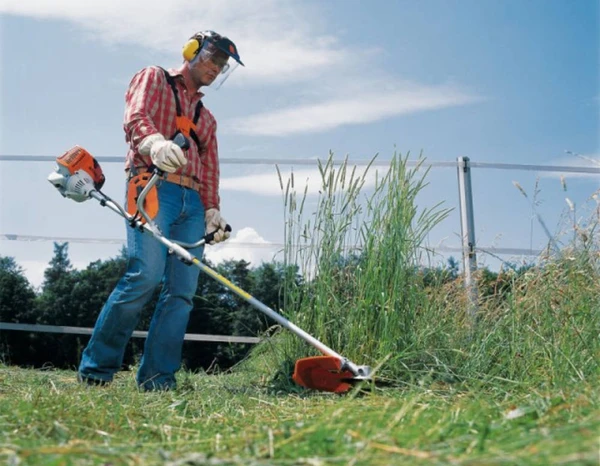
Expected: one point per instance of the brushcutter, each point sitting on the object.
(78, 176)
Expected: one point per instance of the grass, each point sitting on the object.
(359, 247)
(47, 418)
(367, 296)
(517, 385)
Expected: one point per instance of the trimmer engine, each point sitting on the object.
(77, 174)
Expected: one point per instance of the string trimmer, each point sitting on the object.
(78, 176)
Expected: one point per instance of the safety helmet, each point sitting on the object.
(208, 45)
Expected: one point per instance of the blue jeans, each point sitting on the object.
(180, 217)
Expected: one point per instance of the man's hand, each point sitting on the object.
(166, 155)
(216, 224)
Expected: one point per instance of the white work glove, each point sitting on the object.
(216, 224)
(166, 155)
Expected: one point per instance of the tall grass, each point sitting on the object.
(528, 365)
(544, 332)
(360, 249)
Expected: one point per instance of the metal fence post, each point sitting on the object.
(467, 223)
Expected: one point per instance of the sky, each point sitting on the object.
(508, 81)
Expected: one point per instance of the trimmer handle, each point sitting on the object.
(211, 236)
(181, 141)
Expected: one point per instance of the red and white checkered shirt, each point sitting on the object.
(150, 108)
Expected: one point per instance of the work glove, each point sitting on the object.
(166, 155)
(216, 224)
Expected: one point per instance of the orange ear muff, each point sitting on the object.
(191, 49)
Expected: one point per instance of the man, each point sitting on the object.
(159, 106)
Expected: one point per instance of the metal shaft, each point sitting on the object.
(188, 257)
(267, 310)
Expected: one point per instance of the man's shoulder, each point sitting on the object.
(153, 76)
(208, 115)
(153, 71)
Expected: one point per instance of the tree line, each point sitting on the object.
(70, 297)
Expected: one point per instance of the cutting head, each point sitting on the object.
(323, 373)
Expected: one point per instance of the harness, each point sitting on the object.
(137, 181)
(183, 123)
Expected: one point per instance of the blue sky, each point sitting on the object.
(497, 81)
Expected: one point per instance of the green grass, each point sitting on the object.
(517, 385)
(47, 418)
(368, 299)
(359, 247)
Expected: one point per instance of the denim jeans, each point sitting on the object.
(180, 217)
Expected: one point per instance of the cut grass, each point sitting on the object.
(365, 293)
(518, 385)
(47, 418)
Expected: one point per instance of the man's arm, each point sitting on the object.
(141, 104)
(209, 184)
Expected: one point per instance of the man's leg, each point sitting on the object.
(104, 353)
(162, 351)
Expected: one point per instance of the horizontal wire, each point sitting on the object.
(241, 161)
(266, 161)
(136, 333)
(375, 162)
(440, 248)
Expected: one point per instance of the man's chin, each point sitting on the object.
(208, 81)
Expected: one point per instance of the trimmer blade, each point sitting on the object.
(322, 373)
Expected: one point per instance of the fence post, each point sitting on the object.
(467, 224)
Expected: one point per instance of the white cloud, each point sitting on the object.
(359, 108)
(282, 42)
(270, 34)
(268, 183)
(245, 244)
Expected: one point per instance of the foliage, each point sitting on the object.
(74, 298)
(361, 252)
(17, 296)
(381, 303)
(367, 292)
(17, 299)
(217, 311)
(515, 384)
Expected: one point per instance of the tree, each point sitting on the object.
(93, 287)
(59, 265)
(267, 284)
(214, 307)
(219, 311)
(16, 293)
(54, 303)
(72, 298)
(17, 299)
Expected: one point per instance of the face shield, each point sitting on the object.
(223, 55)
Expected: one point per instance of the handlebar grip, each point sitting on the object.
(181, 141)
(211, 236)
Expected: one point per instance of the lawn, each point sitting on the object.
(47, 418)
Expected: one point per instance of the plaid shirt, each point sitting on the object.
(150, 108)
